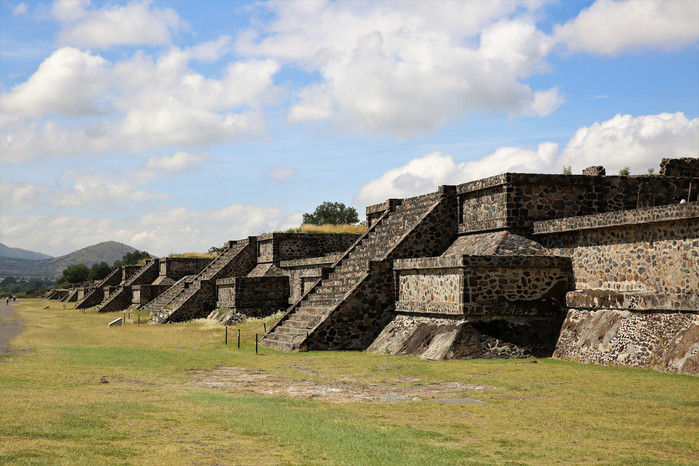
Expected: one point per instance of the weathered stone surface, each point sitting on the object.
(663, 341)
(683, 166)
(432, 337)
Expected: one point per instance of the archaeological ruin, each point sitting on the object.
(591, 268)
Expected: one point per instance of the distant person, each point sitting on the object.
(14, 298)
(7, 300)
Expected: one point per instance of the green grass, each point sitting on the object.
(55, 409)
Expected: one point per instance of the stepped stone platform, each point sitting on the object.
(350, 305)
(593, 268)
(286, 262)
(196, 297)
(505, 283)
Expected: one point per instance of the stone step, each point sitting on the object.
(278, 345)
(290, 332)
(310, 310)
(286, 338)
(304, 324)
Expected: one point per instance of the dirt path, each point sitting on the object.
(10, 326)
(336, 389)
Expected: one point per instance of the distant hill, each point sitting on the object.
(17, 253)
(109, 252)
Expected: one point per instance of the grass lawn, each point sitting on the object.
(76, 391)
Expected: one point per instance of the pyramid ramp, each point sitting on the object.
(96, 296)
(121, 298)
(349, 306)
(197, 298)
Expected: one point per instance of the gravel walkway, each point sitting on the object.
(10, 326)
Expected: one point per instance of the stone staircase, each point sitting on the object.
(121, 298)
(71, 296)
(96, 295)
(158, 303)
(358, 290)
(194, 297)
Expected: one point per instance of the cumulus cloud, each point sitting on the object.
(175, 230)
(281, 173)
(409, 68)
(637, 142)
(612, 27)
(132, 24)
(68, 82)
(134, 104)
(425, 174)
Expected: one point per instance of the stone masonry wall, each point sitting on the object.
(304, 273)
(253, 296)
(143, 294)
(275, 247)
(482, 285)
(683, 166)
(651, 249)
(516, 200)
(177, 267)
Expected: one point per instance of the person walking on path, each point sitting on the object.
(7, 300)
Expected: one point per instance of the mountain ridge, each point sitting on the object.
(19, 253)
(106, 251)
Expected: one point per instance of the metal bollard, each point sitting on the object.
(226, 335)
(238, 338)
(256, 343)
(265, 326)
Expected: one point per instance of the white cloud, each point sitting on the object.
(408, 67)
(70, 10)
(95, 188)
(134, 105)
(281, 173)
(16, 197)
(174, 230)
(613, 27)
(179, 162)
(637, 142)
(133, 23)
(68, 82)
(19, 9)
(424, 174)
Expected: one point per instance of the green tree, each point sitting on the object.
(567, 170)
(651, 171)
(624, 171)
(75, 273)
(216, 249)
(132, 258)
(99, 271)
(335, 213)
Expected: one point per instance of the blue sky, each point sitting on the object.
(173, 126)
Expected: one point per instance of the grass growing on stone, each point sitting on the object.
(328, 228)
(78, 392)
